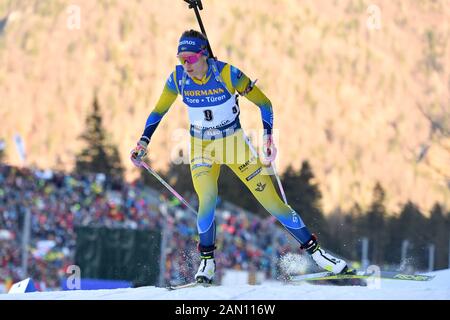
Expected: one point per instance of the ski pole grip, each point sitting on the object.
(193, 3)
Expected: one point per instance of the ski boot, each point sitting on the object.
(207, 268)
(325, 260)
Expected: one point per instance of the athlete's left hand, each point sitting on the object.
(138, 153)
(269, 150)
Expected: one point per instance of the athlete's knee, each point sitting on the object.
(207, 199)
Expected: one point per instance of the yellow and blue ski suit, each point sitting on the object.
(217, 138)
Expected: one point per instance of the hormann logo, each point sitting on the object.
(197, 93)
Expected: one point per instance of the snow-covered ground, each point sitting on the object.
(436, 289)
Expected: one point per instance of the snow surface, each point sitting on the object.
(435, 289)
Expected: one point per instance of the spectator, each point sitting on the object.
(58, 202)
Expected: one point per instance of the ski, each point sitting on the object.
(189, 285)
(361, 275)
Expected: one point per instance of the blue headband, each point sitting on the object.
(193, 45)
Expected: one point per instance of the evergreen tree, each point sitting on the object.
(99, 156)
(375, 226)
(394, 240)
(412, 226)
(304, 197)
(350, 234)
(438, 234)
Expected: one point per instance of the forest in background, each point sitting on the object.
(362, 105)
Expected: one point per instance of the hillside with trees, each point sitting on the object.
(363, 101)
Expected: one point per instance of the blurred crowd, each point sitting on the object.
(58, 202)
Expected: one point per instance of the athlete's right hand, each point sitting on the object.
(139, 152)
(269, 150)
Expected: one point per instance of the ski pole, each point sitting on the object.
(280, 186)
(176, 194)
(272, 164)
(197, 5)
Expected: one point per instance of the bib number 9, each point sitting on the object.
(208, 115)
